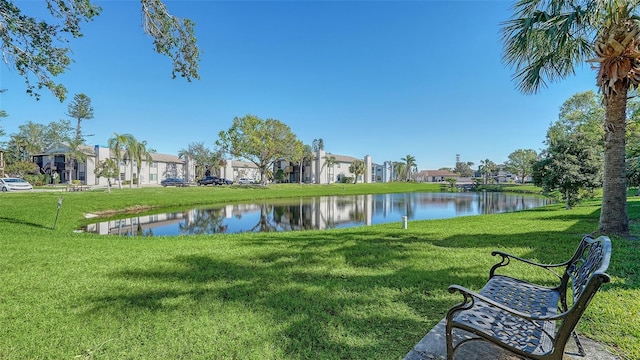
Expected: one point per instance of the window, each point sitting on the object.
(153, 177)
(122, 176)
(154, 165)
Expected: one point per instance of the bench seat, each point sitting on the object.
(529, 336)
(528, 319)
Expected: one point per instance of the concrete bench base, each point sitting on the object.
(434, 347)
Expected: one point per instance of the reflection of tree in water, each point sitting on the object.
(204, 221)
(318, 213)
(265, 223)
(141, 232)
(358, 212)
(294, 216)
(464, 204)
(493, 203)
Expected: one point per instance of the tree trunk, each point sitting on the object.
(118, 160)
(613, 215)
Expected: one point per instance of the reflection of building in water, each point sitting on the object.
(324, 212)
(139, 225)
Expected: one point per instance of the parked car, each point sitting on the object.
(245, 180)
(174, 182)
(227, 181)
(14, 184)
(210, 180)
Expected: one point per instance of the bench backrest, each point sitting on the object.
(586, 271)
(591, 258)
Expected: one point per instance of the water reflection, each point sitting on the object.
(325, 212)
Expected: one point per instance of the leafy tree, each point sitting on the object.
(580, 116)
(57, 133)
(572, 161)
(357, 168)
(259, 141)
(463, 168)
(39, 49)
(21, 168)
(108, 169)
(410, 166)
(633, 144)
(546, 40)
(33, 138)
(280, 176)
(521, 162)
(28, 141)
(204, 158)
(80, 109)
(570, 165)
(3, 114)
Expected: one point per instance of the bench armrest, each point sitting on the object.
(506, 259)
(470, 297)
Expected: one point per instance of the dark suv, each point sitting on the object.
(210, 180)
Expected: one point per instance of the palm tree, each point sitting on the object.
(546, 40)
(486, 168)
(330, 162)
(130, 149)
(117, 146)
(75, 155)
(307, 155)
(410, 166)
(357, 168)
(399, 169)
(141, 153)
(317, 144)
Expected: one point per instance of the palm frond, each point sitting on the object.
(546, 39)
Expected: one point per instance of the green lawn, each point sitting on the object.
(367, 292)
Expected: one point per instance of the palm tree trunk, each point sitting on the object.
(131, 182)
(613, 216)
(119, 177)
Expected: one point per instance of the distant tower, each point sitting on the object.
(457, 158)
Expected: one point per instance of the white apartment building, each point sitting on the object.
(325, 168)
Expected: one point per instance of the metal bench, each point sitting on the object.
(527, 319)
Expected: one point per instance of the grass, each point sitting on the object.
(366, 292)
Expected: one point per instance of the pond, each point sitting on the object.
(323, 212)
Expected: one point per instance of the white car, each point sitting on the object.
(245, 180)
(13, 184)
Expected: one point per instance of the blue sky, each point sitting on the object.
(380, 78)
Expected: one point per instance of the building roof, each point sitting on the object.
(166, 158)
(437, 173)
(342, 158)
(243, 164)
(63, 148)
